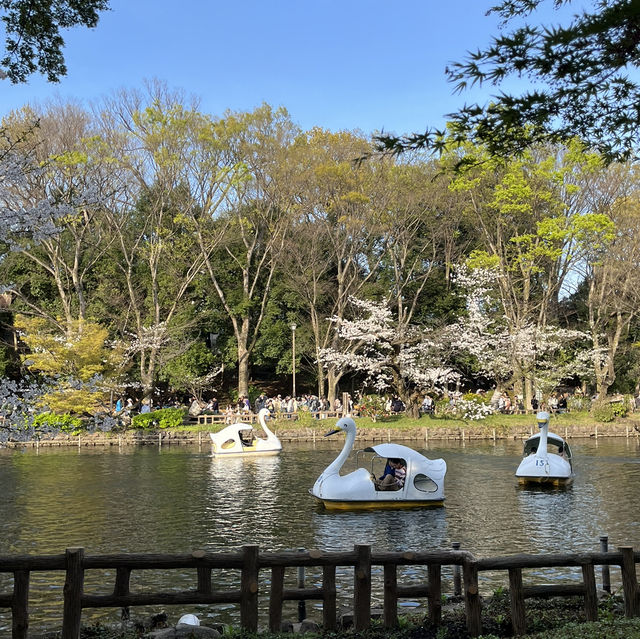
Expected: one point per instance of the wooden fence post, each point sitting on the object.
(472, 604)
(302, 604)
(20, 605)
(73, 589)
(435, 592)
(390, 606)
(204, 573)
(329, 608)
(276, 598)
(249, 589)
(629, 581)
(121, 588)
(606, 574)
(590, 592)
(516, 600)
(362, 588)
(457, 579)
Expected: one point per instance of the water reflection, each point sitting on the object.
(241, 495)
(399, 530)
(173, 500)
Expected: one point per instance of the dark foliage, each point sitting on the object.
(32, 34)
(581, 78)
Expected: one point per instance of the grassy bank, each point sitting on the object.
(401, 422)
(497, 425)
(561, 618)
(397, 428)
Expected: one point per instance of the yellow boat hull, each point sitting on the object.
(378, 505)
(545, 481)
(247, 453)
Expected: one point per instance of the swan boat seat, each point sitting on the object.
(242, 440)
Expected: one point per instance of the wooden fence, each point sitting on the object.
(249, 561)
(205, 419)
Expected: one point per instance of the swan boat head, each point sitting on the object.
(424, 482)
(546, 458)
(241, 439)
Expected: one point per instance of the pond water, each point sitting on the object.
(178, 499)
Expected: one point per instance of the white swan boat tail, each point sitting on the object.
(546, 458)
(423, 484)
(241, 439)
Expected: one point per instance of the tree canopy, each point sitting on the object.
(154, 250)
(581, 77)
(32, 34)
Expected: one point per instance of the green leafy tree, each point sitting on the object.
(75, 361)
(613, 282)
(580, 74)
(32, 34)
(331, 251)
(169, 175)
(51, 223)
(535, 226)
(252, 230)
(194, 371)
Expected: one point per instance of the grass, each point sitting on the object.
(561, 618)
(501, 423)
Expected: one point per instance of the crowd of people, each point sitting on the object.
(500, 401)
(276, 404)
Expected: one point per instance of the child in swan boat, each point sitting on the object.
(394, 475)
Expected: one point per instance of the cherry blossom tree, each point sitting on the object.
(406, 361)
(49, 196)
(504, 352)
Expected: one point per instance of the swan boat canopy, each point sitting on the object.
(546, 458)
(241, 439)
(423, 485)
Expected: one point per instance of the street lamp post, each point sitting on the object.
(293, 361)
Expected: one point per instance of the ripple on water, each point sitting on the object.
(178, 499)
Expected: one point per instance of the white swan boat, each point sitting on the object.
(546, 458)
(423, 485)
(242, 439)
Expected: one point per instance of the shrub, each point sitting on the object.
(577, 403)
(472, 409)
(53, 422)
(163, 418)
(372, 406)
(476, 397)
(442, 407)
(608, 412)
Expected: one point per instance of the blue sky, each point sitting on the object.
(339, 64)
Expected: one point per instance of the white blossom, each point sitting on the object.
(151, 337)
(548, 354)
(383, 353)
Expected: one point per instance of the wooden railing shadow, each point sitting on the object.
(249, 561)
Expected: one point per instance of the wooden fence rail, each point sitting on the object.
(249, 561)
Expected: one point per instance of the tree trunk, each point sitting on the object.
(332, 385)
(528, 391)
(242, 338)
(148, 375)
(412, 408)
(321, 380)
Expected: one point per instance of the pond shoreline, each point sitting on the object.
(627, 428)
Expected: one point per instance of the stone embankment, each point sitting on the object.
(378, 433)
